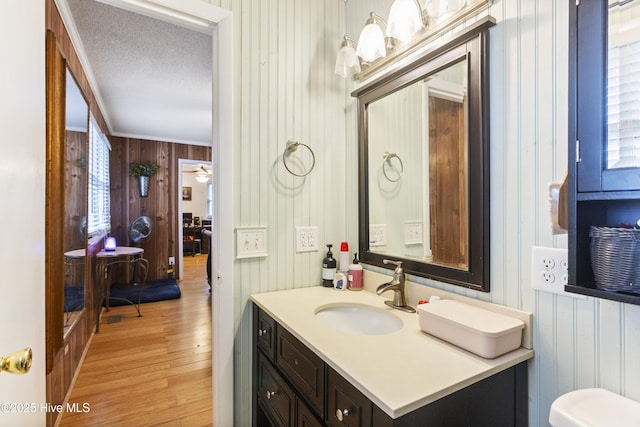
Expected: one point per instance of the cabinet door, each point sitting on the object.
(302, 366)
(306, 417)
(605, 125)
(274, 395)
(265, 332)
(346, 406)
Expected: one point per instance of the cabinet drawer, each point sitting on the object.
(302, 366)
(346, 406)
(265, 333)
(274, 395)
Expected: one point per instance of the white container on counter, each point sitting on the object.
(477, 330)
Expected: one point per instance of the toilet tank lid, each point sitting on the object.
(593, 407)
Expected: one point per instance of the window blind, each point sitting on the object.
(99, 222)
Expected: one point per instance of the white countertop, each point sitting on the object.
(399, 372)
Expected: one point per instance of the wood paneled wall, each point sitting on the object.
(162, 203)
(126, 205)
(66, 362)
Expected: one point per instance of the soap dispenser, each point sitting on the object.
(328, 268)
(355, 274)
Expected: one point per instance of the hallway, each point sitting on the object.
(153, 370)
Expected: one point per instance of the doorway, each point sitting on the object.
(217, 22)
(196, 203)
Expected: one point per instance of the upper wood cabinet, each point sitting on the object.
(604, 146)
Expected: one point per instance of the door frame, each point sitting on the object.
(218, 22)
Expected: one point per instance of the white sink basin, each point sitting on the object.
(358, 318)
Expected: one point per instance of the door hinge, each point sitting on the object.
(578, 151)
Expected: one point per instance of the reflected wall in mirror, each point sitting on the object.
(75, 214)
(423, 157)
(417, 161)
(623, 78)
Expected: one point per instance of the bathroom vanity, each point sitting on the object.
(307, 372)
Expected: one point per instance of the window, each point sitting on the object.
(99, 222)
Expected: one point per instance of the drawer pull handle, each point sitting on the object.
(341, 413)
(262, 332)
(270, 394)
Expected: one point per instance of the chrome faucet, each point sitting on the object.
(397, 286)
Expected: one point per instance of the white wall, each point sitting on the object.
(198, 203)
(22, 185)
(578, 343)
(285, 88)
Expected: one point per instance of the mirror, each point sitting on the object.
(76, 204)
(423, 158)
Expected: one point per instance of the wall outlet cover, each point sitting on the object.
(251, 242)
(413, 233)
(549, 270)
(306, 239)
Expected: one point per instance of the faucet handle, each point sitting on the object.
(398, 265)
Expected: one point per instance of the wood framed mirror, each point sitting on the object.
(423, 138)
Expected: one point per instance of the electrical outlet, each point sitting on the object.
(412, 232)
(306, 239)
(172, 260)
(251, 242)
(549, 270)
(378, 235)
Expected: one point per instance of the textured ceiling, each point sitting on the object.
(154, 78)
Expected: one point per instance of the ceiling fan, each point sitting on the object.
(203, 174)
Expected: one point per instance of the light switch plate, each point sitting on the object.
(377, 235)
(251, 242)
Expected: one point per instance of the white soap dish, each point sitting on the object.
(475, 329)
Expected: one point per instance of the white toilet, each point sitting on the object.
(594, 407)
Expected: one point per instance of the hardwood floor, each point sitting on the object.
(153, 370)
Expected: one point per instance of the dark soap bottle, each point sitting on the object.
(328, 269)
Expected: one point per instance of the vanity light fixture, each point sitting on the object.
(406, 18)
(347, 62)
(371, 44)
(409, 23)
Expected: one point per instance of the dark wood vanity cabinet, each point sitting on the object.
(293, 386)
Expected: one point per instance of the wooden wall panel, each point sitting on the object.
(66, 363)
(161, 204)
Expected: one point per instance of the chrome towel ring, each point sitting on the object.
(387, 157)
(290, 148)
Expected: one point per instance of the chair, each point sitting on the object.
(190, 241)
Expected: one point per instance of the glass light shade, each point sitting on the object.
(405, 20)
(347, 62)
(433, 8)
(202, 178)
(456, 5)
(371, 44)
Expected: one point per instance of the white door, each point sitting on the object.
(22, 192)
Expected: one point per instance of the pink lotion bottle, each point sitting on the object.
(355, 274)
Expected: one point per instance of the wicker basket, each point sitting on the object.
(615, 258)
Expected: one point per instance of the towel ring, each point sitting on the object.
(291, 147)
(387, 159)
